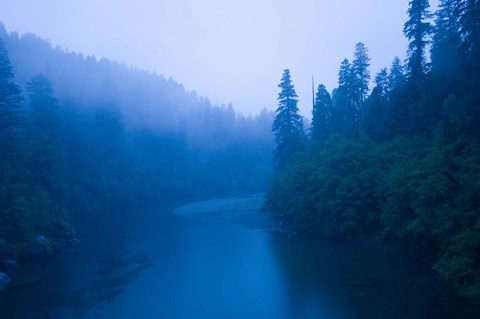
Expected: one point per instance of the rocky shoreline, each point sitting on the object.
(12, 255)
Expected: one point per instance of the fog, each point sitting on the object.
(230, 51)
(148, 169)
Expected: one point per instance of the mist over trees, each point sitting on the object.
(399, 164)
(85, 135)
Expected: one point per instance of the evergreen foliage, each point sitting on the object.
(343, 100)
(378, 107)
(10, 112)
(446, 39)
(360, 73)
(417, 30)
(288, 124)
(322, 114)
(468, 12)
(408, 172)
(396, 77)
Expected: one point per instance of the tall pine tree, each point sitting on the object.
(446, 39)
(410, 115)
(417, 30)
(44, 149)
(10, 139)
(360, 64)
(10, 98)
(377, 107)
(361, 78)
(468, 12)
(396, 78)
(344, 108)
(322, 114)
(288, 124)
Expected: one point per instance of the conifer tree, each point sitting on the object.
(377, 106)
(396, 78)
(361, 79)
(352, 91)
(288, 124)
(382, 83)
(44, 131)
(342, 99)
(417, 30)
(322, 114)
(10, 137)
(468, 12)
(345, 74)
(446, 38)
(43, 107)
(360, 71)
(10, 98)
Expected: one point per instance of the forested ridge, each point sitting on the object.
(399, 164)
(85, 135)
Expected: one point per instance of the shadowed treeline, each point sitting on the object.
(399, 164)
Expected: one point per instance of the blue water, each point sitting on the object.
(153, 263)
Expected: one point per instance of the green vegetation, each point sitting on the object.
(401, 166)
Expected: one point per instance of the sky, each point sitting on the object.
(232, 51)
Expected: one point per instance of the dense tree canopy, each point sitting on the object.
(406, 171)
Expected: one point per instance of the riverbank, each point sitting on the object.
(243, 209)
(213, 261)
(248, 211)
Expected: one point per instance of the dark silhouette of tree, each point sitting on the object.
(352, 91)
(377, 107)
(398, 112)
(468, 12)
(361, 74)
(344, 111)
(10, 141)
(409, 115)
(288, 124)
(10, 114)
(44, 129)
(322, 114)
(43, 106)
(417, 30)
(446, 40)
(396, 78)
(345, 74)
(361, 78)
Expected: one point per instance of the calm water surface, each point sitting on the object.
(153, 263)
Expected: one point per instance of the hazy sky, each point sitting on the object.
(229, 50)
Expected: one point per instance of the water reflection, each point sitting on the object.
(155, 264)
(115, 272)
(352, 280)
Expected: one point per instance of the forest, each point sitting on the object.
(80, 135)
(399, 164)
(396, 164)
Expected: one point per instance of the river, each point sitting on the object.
(222, 259)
